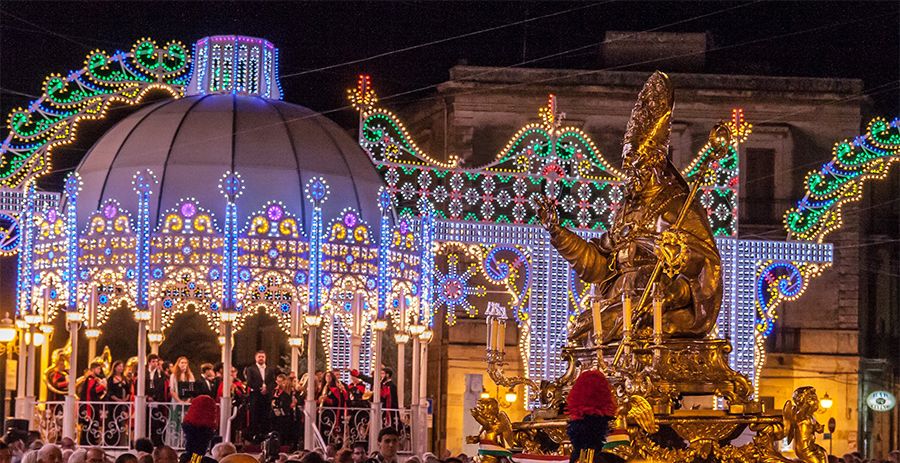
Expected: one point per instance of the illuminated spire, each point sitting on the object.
(235, 64)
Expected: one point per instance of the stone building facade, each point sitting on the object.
(796, 121)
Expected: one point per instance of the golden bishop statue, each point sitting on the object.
(621, 262)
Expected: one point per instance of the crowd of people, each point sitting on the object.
(203, 446)
(265, 397)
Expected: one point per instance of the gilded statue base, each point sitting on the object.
(651, 382)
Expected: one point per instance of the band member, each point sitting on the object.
(93, 389)
(119, 394)
(388, 395)
(283, 405)
(261, 381)
(334, 402)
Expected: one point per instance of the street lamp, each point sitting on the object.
(826, 402)
(7, 330)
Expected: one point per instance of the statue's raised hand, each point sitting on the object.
(547, 212)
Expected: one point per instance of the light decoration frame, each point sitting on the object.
(416, 179)
(72, 187)
(143, 183)
(231, 186)
(25, 272)
(86, 94)
(317, 191)
(545, 157)
(841, 180)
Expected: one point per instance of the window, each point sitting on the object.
(759, 187)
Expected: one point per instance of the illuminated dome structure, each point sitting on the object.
(228, 201)
(190, 142)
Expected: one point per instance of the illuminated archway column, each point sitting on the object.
(231, 186)
(143, 185)
(423, 332)
(380, 324)
(73, 316)
(316, 193)
(24, 308)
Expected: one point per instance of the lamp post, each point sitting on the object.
(401, 338)
(73, 321)
(316, 193)
(91, 331)
(33, 320)
(309, 425)
(73, 316)
(424, 339)
(295, 341)
(21, 410)
(231, 186)
(415, 330)
(228, 318)
(140, 400)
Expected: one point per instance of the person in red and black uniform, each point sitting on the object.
(388, 395)
(334, 400)
(59, 379)
(238, 403)
(93, 389)
(283, 405)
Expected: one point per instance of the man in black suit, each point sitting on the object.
(157, 391)
(261, 382)
(207, 383)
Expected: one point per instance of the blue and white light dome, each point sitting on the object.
(190, 142)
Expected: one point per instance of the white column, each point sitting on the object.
(414, 397)
(295, 340)
(375, 414)
(74, 322)
(225, 400)
(92, 325)
(422, 441)
(401, 368)
(309, 427)
(21, 409)
(30, 373)
(140, 400)
(356, 329)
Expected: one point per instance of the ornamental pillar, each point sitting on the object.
(401, 338)
(143, 182)
(73, 316)
(231, 186)
(317, 193)
(24, 308)
(424, 340)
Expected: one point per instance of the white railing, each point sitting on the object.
(48, 419)
(102, 424)
(344, 426)
(164, 423)
(111, 424)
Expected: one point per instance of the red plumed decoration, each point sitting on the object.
(591, 395)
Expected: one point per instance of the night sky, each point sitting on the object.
(325, 45)
(821, 39)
